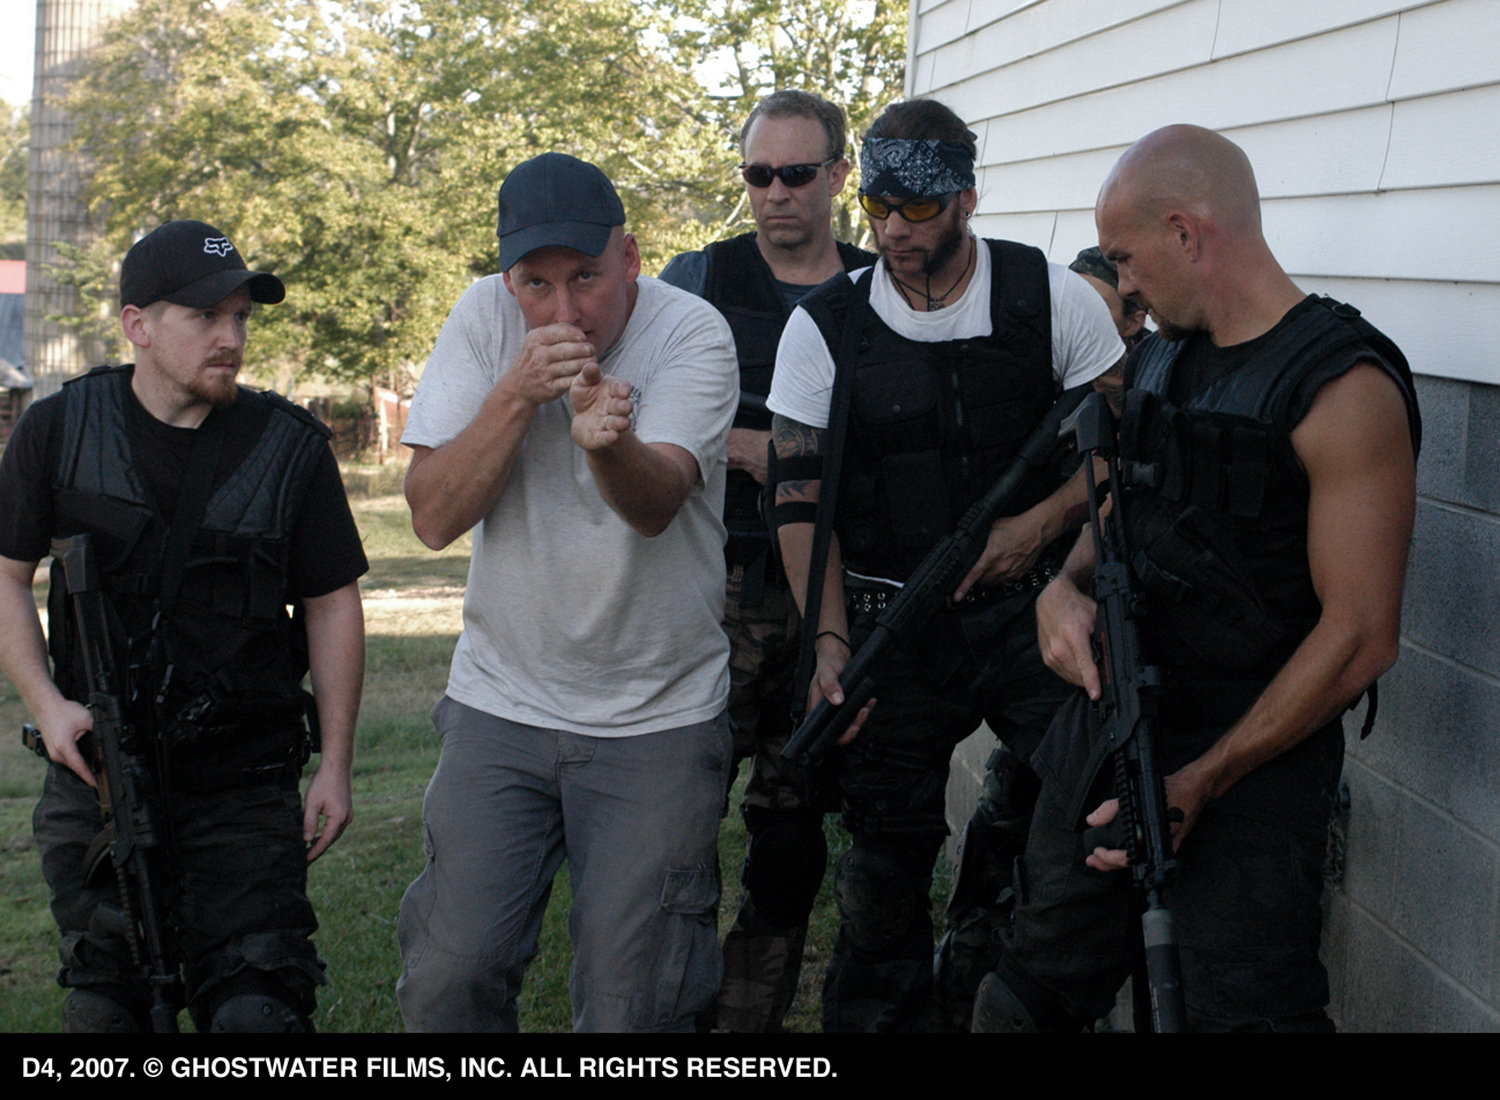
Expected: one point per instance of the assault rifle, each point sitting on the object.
(1128, 708)
(129, 792)
(930, 585)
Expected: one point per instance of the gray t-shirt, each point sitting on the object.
(573, 620)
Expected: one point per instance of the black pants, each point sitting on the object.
(1246, 901)
(237, 896)
(968, 666)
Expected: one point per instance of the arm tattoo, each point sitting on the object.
(793, 439)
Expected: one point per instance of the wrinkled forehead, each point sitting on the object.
(789, 139)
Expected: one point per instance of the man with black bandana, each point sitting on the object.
(954, 349)
(1268, 451)
(794, 165)
(175, 471)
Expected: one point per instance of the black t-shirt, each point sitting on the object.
(326, 552)
(1202, 363)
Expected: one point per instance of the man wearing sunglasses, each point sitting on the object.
(950, 350)
(794, 165)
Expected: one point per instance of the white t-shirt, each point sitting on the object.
(1085, 342)
(572, 619)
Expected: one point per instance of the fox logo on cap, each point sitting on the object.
(218, 246)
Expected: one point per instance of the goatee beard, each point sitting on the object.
(943, 251)
(219, 391)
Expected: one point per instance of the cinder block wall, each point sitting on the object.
(1413, 932)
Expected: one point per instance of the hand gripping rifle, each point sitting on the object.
(930, 584)
(129, 792)
(1127, 710)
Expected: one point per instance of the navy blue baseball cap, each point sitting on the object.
(555, 200)
(191, 264)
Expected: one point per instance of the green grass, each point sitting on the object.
(413, 618)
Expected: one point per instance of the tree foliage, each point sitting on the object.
(850, 51)
(355, 148)
(15, 133)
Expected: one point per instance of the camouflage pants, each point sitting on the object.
(786, 856)
(966, 667)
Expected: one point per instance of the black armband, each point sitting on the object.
(799, 468)
(794, 511)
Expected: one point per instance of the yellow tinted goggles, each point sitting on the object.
(913, 210)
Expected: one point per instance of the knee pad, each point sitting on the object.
(998, 1011)
(1011, 1003)
(94, 1012)
(784, 864)
(1009, 793)
(255, 1002)
(258, 1014)
(878, 898)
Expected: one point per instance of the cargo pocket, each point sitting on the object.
(690, 964)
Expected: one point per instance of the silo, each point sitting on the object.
(56, 212)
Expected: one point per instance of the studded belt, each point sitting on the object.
(864, 597)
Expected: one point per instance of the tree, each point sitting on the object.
(355, 148)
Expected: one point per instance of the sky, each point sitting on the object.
(16, 47)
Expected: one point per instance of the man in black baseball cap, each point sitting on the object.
(190, 263)
(210, 508)
(1099, 273)
(556, 200)
(573, 415)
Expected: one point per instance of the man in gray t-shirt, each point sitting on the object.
(574, 416)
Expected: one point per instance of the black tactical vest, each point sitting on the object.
(229, 651)
(739, 283)
(1216, 500)
(933, 425)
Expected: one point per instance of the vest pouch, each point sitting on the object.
(1197, 579)
(916, 499)
(858, 522)
(228, 738)
(237, 578)
(745, 547)
(119, 538)
(999, 404)
(741, 503)
(895, 407)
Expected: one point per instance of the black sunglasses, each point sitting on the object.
(913, 210)
(793, 175)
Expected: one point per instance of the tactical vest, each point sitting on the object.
(932, 426)
(1216, 500)
(739, 283)
(229, 656)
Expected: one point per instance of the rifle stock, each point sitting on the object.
(929, 586)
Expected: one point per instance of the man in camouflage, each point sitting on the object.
(794, 164)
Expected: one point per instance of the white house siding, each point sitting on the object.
(1374, 127)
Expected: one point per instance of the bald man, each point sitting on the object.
(1271, 438)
